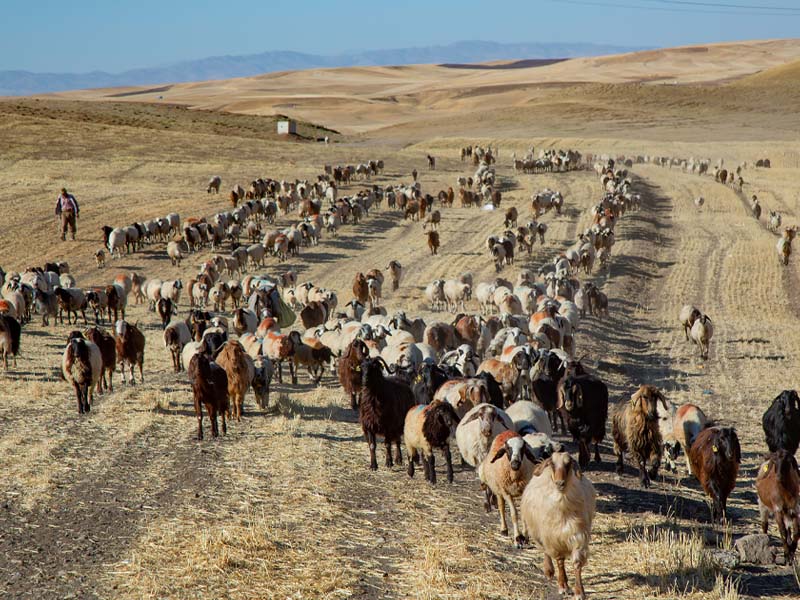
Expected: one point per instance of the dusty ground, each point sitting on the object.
(125, 503)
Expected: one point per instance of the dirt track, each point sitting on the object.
(125, 503)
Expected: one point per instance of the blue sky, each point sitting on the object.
(114, 35)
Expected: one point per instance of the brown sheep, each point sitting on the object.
(715, 456)
(314, 313)
(108, 351)
(130, 349)
(426, 428)
(778, 486)
(210, 389)
(433, 242)
(360, 288)
(82, 365)
(634, 428)
(240, 370)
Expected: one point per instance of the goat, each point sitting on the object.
(210, 389)
(781, 422)
(108, 352)
(385, 402)
(634, 427)
(583, 400)
(715, 456)
(82, 366)
(778, 487)
(558, 507)
(240, 370)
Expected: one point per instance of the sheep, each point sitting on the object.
(479, 426)
(218, 295)
(361, 288)
(70, 301)
(428, 427)
(108, 353)
(10, 333)
(165, 309)
(314, 313)
(244, 320)
(152, 291)
(679, 426)
(781, 422)
(374, 289)
(456, 294)
(778, 487)
(715, 456)
(46, 304)
(583, 401)
(396, 271)
(172, 290)
(385, 401)
(441, 336)
(240, 370)
(130, 349)
(277, 348)
(774, 220)
(527, 418)
(116, 241)
(262, 378)
(504, 472)
(313, 357)
(433, 242)
(702, 332)
(117, 300)
(434, 292)
(689, 314)
(209, 388)
(508, 375)
(558, 507)
(634, 427)
(82, 366)
(176, 336)
(214, 183)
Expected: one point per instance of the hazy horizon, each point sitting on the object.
(84, 37)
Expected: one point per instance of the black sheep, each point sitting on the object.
(385, 401)
(781, 422)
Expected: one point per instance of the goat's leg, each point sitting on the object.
(619, 460)
(597, 452)
(353, 403)
(398, 454)
(655, 457)
(764, 513)
(785, 536)
(563, 588)
(141, 369)
(214, 423)
(643, 476)
(77, 387)
(133, 381)
(548, 568)
(199, 425)
(432, 464)
(224, 424)
(373, 461)
(293, 372)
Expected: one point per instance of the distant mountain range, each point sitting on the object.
(19, 83)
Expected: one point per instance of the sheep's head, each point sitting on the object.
(516, 450)
(562, 466)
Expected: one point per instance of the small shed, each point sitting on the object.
(287, 126)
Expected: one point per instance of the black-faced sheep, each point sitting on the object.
(426, 428)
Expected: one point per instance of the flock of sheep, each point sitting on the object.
(497, 383)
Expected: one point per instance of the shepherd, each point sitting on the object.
(67, 209)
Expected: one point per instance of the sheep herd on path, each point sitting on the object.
(498, 384)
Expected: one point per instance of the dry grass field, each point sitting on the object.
(125, 503)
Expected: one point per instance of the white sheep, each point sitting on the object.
(172, 289)
(702, 332)
(152, 291)
(528, 417)
(117, 240)
(434, 292)
(477, 430)
(177, 251)
(456, 294)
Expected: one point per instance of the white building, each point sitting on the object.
(287, 127)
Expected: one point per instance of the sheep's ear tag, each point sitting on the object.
(766, 468)
(715, 449)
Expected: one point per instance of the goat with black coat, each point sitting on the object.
(548, 371)
(583, 401)
(429, 378)
(494, 389)
(385, 402)
(781, 422)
